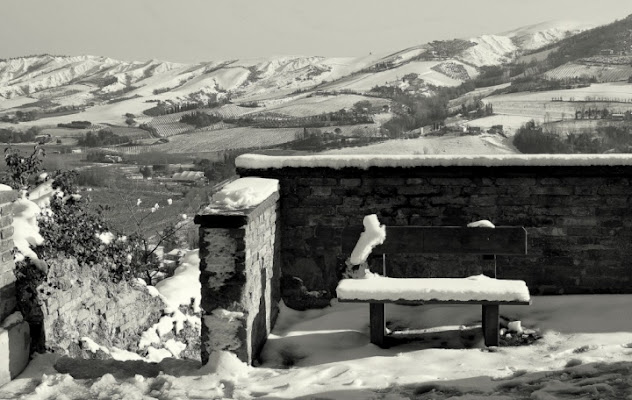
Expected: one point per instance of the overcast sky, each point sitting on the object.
(202, 30)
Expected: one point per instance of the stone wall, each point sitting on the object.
(71, 302)
(239, 273)
(577, 217)
(14, 333)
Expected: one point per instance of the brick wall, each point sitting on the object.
(7, 275)
(14, 333)
(577, 217)
(239, 273)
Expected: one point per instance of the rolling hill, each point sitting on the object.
(61, 89)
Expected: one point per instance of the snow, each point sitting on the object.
(92, 346)
(489, 50)
(255, 161)
(42, 194)
(481, 224)
(244, 193)
(5, 188)
(374, 234)
(106, 237)
(25, 229)
(586, 350)
(515, 326)
(183, 288)
(12, 319)
(473, 288)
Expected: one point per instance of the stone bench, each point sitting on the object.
(485, 290)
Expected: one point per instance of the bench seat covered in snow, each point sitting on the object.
(481, 289)
(475, 289)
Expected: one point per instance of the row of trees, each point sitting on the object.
(21, 116)
(533, 139)
(103, 137)
(15, 136)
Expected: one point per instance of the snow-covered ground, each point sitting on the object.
(585, 352)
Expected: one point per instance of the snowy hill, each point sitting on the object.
(503, 47)
(96, 76)
(539, 35)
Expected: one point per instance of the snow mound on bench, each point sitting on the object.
(374, 234)
(484, 223)
(473, 288)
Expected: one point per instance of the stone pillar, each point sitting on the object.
(15, 339)
(240, 276)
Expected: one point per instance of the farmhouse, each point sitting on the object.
(189, 177)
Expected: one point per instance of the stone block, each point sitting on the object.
(15, 344)
(6, 232)
(8, 197)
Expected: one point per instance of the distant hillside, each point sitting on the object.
(49, 90)
(610, 39)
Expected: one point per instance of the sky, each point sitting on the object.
(203, 30)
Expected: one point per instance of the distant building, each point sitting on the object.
(190, 177)
(617, 116)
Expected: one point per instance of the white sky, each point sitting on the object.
(200, 30)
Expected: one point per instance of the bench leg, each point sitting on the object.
(376, 323)
(491, 324)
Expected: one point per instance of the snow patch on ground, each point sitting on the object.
(181, 289)
(585, 352)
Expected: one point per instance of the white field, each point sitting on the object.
(430, 145)
(613, 90)
(585, 353)
(364, 82)
(603, 73)
(539, 107)
(510, 123)
(226, 139)
(316, 105)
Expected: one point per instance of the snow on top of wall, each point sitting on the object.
(256, 161)
(243, 193)
(374, 234)
(473, 288)
(5, 188)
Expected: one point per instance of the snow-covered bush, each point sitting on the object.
(71, 227)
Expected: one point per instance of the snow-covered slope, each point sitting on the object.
(105, 89)
(502, 47)
(539, 35)
(490, 50)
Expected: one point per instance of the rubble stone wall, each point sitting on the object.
(70, 302)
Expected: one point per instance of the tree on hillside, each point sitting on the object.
(362, 106)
